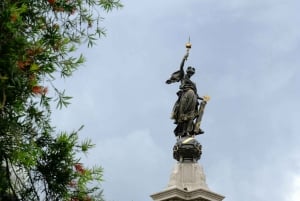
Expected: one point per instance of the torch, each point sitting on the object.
(188, 45)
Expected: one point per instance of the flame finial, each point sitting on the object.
(188, 45)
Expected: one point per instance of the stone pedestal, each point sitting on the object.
(187, 176)
(176, 194)
(187, 181)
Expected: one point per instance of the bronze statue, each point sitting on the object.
(187, 113)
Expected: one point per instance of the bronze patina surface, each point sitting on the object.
(187, 111)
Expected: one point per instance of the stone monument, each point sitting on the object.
(187, 180)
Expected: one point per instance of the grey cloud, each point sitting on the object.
(246, 55)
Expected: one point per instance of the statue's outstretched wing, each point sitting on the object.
(175, 77)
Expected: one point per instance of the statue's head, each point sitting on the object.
(190, 70)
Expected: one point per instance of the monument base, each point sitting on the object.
(187, 182)
(187, 176)
(176, 194)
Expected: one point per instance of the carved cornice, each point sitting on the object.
(176, 194)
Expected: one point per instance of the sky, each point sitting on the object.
(246, 55)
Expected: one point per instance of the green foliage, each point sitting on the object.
(36, 42)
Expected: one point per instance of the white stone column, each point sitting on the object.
(187, 183)
(187, 176)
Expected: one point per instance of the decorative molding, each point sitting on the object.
(176, 194)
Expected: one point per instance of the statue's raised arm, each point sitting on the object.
(178, 75)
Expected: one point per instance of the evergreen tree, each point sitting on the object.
(37, 39)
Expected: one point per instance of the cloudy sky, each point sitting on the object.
(246, 55)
